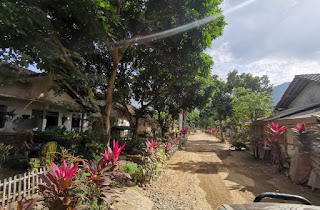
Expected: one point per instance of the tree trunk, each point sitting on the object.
(221, 129)
(161, 124)
(106, 110)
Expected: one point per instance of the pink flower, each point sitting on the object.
(152, 144)
(275, 128)
(184, 131)
(62, 177)
(113, 155)
(301, 127)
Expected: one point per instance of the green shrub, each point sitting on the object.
(67, 139)
(48, 152)
(130, 168)
(133, 147)
(90, 146)
(239, 144)
(4, 152)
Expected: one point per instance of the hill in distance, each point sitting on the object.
(278, 92)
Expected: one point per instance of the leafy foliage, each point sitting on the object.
(249, 105)
(4, 152)
(57, 189)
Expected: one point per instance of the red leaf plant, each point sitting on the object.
(167, 147)
(151, 147)
(184, 131)
(177, 140)
(112, 156)
(275, 128)
(301, 127)
(275, 146)
(106, 171)
(57, 187)
(22, 205)
(100, 179)
(304, 135)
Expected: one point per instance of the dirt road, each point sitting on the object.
(207, 174)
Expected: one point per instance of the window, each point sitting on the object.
(75, 123)
(52, 119)
(3, 114)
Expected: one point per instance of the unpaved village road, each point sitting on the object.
(207, 174)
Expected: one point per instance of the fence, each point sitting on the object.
(20, 186)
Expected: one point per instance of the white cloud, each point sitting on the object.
(272, 37)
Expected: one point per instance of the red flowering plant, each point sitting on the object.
(168, 148)
(151, 147)
(103, 173)
(304, 136)
(112, 156)
(184, 131)
(276, 131)
(58, 185)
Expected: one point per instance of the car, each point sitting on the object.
(305, 204)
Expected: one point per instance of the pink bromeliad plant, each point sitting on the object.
(112, 156)
(151, 146)
(58, 185)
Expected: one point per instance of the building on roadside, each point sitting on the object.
(299, 104)
(31, 103)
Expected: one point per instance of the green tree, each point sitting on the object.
(248, 105)
(221, 103)
(248, 81)
(65, 38)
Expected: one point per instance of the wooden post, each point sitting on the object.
(37, 180)
(14, 188)
(33, 182)
(29, 187)
(24, 185)
(19, 186)
(4, 192)
(9, 189)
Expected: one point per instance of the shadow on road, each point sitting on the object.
(201, 167)
(204, 146)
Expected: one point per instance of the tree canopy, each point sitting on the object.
(91, 43)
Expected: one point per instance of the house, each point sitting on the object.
(119, 117)
(120, 124)
(299, 104)
(31, 103)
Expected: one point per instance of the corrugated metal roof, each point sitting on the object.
(293, 111)
(296, 86)
(313, 77)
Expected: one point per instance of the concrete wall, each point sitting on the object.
(309, 95)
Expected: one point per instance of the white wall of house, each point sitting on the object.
(19, 99)
(20, 108)
(309, 95)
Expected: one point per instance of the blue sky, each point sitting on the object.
(278, 38)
